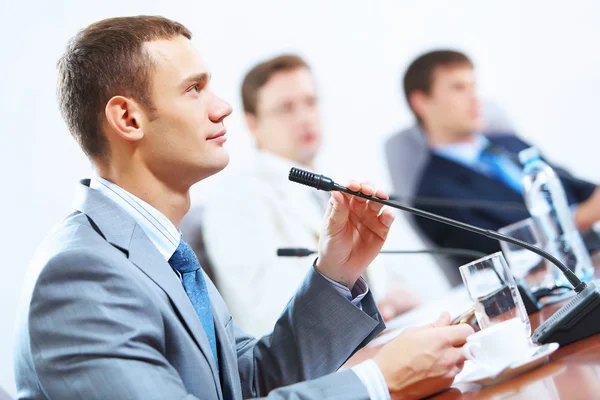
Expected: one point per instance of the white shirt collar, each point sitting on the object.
(464, 153)
(155, 225)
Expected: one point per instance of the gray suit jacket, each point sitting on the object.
(105, 317)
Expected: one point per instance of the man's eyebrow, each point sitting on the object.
(201, 78)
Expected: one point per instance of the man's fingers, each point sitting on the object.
(354, 186)
(443, 320)
(329, 208)
(357, 204)
(457, 334)
(457, 356)
(451, 362)
(387, 217)
(373, 205)
(455, 370)
(368, 224)
(366, 188)
(382, 194)
(337, 212)
(455, 360)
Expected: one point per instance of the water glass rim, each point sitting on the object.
(527, 222)
(482, 259)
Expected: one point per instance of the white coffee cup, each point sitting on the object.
(499, 345)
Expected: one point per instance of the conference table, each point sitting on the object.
(572, 372)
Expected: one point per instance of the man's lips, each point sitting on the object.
(217, 135)
(308, 137)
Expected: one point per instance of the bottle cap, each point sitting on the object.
(529, 154)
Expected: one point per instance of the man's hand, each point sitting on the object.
(355, 230)
(422, 361)
(588, 212)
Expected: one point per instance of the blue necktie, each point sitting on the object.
(185, 261)
(495, 164)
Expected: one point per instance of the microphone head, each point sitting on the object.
(294, 252)
(311, 179)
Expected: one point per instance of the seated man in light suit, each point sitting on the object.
(281, 106)
(116, 305)
(464, 164)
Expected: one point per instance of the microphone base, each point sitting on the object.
(531, 303)
(575, 320)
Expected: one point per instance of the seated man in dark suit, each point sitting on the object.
(465, 165)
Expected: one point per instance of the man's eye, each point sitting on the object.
(286, 108)
(196, 88)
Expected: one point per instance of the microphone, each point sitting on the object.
(294, 252)
(321, 182)
(460, 203)
(303, 252)
(575, 320)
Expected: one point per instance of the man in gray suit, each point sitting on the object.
(117, 306)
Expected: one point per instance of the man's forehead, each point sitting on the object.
(176, 56)
(290, 77)
(287, 84)
(453, 69)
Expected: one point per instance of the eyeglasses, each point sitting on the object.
(289, 108)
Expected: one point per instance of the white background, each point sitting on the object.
(539, 61)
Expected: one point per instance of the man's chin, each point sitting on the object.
(220, 163)
(470, 130)
(206, 170)
(307, 156)
(477, 125)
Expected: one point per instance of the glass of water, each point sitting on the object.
(523, 263)
(492, 287)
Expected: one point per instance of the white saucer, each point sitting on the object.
(474, 373)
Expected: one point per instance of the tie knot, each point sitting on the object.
(184, 259)
(489, 151)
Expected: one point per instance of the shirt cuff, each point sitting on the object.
(358, 292)
(370, 375)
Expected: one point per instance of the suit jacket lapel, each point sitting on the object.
(121, 231)
(228, 360)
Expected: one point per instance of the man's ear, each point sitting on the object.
(125, 117)
(418, 102)
(251, 123)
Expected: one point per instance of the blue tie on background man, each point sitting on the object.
(486, 158)
(501, 167)
(184, 260)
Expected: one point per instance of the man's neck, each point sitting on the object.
(437, 137)
(308, 164)
(172, 203)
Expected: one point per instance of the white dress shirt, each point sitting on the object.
(159, 229)
(466, 153)
(165, 236)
